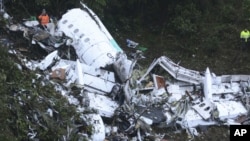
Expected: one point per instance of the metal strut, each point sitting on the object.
(1, 6)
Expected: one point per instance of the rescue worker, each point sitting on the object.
(244, 35)
(44, 19)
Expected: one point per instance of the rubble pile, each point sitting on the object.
(85, 65)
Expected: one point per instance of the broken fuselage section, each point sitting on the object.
(110, 84)
(198, 98)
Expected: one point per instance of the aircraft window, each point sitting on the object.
(207, 108)
(76, 30)
(86, 40)
(179, 118)
(71, 25)
(81, 35)
(202, 105)
(65, 21)
(96, 122)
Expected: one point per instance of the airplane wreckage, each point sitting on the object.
(110, 82)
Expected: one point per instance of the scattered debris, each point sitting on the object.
(109, 84)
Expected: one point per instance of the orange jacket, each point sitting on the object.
(44, 19)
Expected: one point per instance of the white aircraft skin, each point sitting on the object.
(93, 44)
(79, 73)
(208, 85)
(96, 48)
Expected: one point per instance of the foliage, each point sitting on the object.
(24, 102)
(27, 8)
(246, 8)
(198, 32)
(185, 20)
(42, 2)
(96, 5)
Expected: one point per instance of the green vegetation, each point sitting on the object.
(198, 33)
(24, 102)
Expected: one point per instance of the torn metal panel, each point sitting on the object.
(178, 72)
(203, 108)
(104, 105)
(97, 72)
(123, 67)
(230, 109)
(48, 60)
(79, 73)
(177, 90)
(31, 23)
(95, 80)
(135, 100)
(233, 78)
(39, 35)
(217, 96)
(193, 119)
(154, 113)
